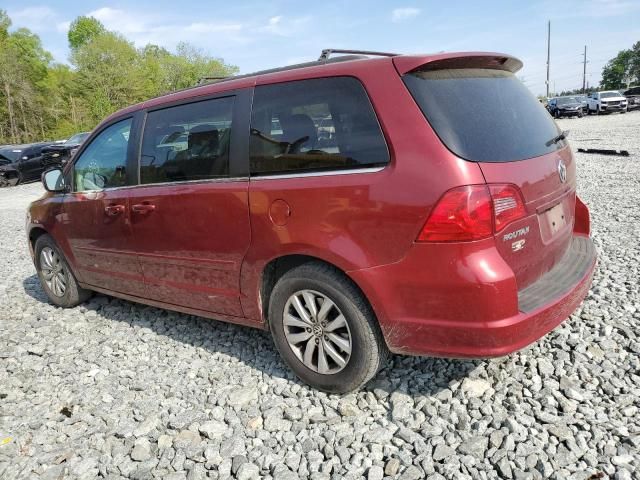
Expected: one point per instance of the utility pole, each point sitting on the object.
(548, 53)
(584, 70)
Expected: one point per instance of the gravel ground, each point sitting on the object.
(114, 389)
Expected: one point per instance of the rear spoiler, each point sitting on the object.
(496, 61)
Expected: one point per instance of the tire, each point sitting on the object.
(53, 260)
(312, 283)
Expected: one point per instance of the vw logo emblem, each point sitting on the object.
(562, 171)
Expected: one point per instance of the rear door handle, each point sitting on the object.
(143, 208)
(113, 210)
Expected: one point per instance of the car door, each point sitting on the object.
(189, 214)
(97, 216)
(31, 163)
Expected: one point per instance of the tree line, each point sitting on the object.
(44, 100)
(622, 71)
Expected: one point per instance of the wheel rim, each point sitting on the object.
(53, 271)
(317, 332)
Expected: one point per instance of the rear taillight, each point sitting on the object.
(462, 214)
(472, 212)
(507, 205)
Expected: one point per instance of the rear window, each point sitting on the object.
(483, 115)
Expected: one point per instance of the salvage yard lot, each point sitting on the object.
(113, 389)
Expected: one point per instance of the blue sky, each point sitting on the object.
(259, 34)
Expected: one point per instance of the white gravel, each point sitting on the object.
(113, 389)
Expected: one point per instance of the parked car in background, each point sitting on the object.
(565, 107)
(21, 163)
(583, 100)
(633, 98)
(606, 102)
(334, 235)
(60, 153)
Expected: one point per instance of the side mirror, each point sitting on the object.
(53, 180)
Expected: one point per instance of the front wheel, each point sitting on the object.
(324, 329)
(55, 276)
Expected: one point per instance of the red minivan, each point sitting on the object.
(356, 205)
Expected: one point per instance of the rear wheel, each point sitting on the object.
(324, 329)
(55, 276)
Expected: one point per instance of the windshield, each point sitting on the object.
(610, 94)
(484, 115)
(77, 139)
(566, 100)
(10, 154)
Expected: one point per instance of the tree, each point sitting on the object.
(41, 100)
(24, 66)
(82, 30)
(623, 70)
(616, 73)
(108, 75)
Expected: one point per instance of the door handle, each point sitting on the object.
(113, 210)
(143, 208)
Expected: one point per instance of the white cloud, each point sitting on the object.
(286, 28)
(405, 13)
(144, 28)
(34, 18)
(63, 27)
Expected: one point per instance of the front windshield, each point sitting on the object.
(77, 139)
(610, 94)
(10, 154)
(565, 100)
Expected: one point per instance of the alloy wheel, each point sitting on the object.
(317, 332)
(53, 271)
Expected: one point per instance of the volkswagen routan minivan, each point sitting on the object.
(353, 206)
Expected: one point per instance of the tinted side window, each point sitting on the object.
(314, 125)
(187, 142)
(102, 164)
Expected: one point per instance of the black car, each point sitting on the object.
(21, 163)
(60, 153)
(565, 107)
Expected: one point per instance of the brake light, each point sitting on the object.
(507, 205)
(472, 212)
(462, 214)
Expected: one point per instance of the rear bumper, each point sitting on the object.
(476, 325)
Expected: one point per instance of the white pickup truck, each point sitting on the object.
(606, 102)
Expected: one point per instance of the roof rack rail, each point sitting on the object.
(323, 60)
(328, 51)
(203, 80)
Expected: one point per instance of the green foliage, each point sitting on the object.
(82, 30)
(42, 100)
(622, 70)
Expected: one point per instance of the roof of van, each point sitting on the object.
(342, 65)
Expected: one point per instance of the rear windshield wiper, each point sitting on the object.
(557, 138)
